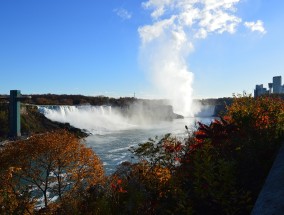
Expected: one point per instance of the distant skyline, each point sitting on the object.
(106, 47)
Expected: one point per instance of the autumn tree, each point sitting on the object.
(10, 200)
(50, 166)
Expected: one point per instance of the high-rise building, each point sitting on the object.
(270, 85)
(259, 90)
(274, 87)
(277, 84)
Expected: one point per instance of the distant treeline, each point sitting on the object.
(64, 99)
(54, 99)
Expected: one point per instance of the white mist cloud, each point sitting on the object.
(123, 13)
(168, 40)
(158, 7)
(151, 32)
(256, 26)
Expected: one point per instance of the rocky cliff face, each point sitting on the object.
(32, 122)
(212, 107)
(150, 111)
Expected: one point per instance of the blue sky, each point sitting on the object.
(94, 47)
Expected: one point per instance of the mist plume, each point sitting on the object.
(167, 42)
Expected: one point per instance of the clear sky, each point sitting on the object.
(110, 47)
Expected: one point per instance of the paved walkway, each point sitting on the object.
(271, 198)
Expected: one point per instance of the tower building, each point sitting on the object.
(270, 85)
(277, 84)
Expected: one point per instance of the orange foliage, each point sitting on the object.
(49, 165)
(155, 178)
(264, 114)
(10, 201)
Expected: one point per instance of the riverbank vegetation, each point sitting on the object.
(218, 169)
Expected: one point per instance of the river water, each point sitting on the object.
(112, 134)
(113, 146)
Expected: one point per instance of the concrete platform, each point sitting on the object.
(271, 198)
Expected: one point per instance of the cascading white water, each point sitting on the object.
(95, 119)
(98, 119)
(205, 111)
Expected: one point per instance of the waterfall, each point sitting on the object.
(95, 119)
(206, 111)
